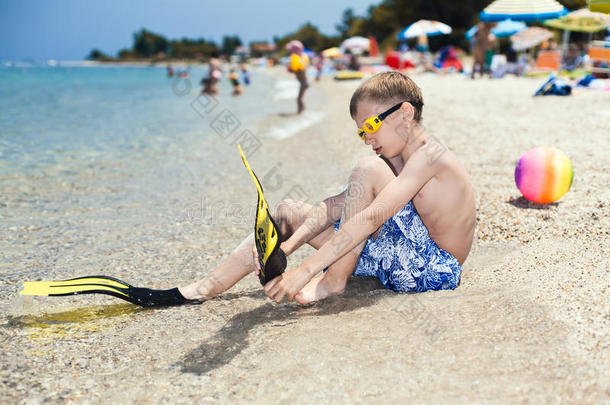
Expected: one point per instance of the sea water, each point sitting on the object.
(75, 115)
(102, 168)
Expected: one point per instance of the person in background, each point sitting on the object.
(353, 64)
(210, 84)
(298, 65)
(245, 75)
(479, 47)
(319, 65)
(572, 59)
(237, 90)
(422, 48)
(489, 51)
(549, 45)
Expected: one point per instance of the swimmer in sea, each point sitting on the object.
(237, 90)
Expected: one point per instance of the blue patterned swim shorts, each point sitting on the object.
(405, 258)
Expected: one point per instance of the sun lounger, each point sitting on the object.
(599, 55)
(548, 61)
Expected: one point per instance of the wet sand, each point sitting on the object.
(528, 324)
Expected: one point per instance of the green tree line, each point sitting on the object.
(149, 45)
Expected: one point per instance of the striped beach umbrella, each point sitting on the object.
(356, 44)
(522, 10)
(424, 27)
(581, 20)
(333, 52)
(529, 38)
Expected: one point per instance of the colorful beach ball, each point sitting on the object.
(544, 175)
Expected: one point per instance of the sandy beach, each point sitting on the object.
(528, 324)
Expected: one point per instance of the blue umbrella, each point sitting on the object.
(522, 10)
(309, 53)
(504, 28)
(470, 33)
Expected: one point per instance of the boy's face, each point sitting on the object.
(391, 137)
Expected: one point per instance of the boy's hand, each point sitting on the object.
(287, 285)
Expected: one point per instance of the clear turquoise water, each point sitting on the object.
(75, 116)
(103, 166)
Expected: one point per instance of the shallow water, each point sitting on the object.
(100, 166)
(72, 116)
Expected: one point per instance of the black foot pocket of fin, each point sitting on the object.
(146, 297)
(275, 266)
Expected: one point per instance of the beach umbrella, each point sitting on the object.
(522, 10)
(356, 44)
(309, 53)
(470, 33)
(424, 27)
(529, 38)
(601, 6)
(332, 52)
(582, 20)
(504, 28)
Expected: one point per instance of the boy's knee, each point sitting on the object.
(288, 211)
(370, 167)
(366, 165)
(284, 208)
(368, 172)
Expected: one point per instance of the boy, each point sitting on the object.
(407, 218)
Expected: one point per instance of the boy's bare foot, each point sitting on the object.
(317, 289)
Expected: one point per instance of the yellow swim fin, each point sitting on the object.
(267, 236)
(104, 285)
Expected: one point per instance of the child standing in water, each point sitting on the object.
(407, 218)
(298, 66)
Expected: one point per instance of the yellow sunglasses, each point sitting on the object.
(371, 125)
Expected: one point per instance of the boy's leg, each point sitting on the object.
(302, 223)
(368, 178)
(291, 216)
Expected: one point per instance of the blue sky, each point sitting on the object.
(69, 29)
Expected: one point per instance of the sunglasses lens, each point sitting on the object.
(368, 127)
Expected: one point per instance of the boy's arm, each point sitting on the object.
(394, 196)
(319, 218)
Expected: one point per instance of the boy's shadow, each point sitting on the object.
(286, 115)
(232, 338)
(522, 202)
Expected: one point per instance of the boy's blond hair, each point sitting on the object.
(388, 88)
